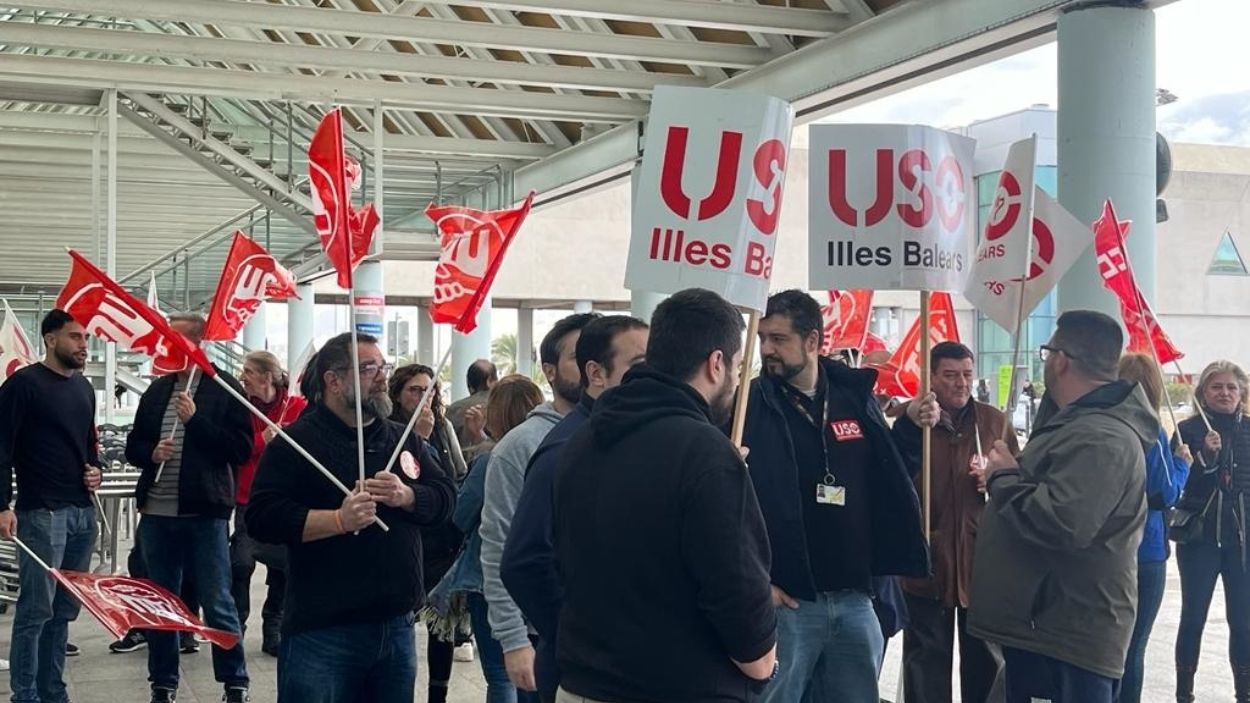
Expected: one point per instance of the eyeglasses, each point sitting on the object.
(370, 369)
(1045, 351)
(417, 390)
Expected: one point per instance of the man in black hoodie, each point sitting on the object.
(352, 588)
(661, 547)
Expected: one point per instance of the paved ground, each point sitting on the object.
(100, 677)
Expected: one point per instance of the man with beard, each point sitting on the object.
(47, 433)
(352, 588)
(662, 549)
(188, 436)
(606, 350)
(839, 505)
(505, 477)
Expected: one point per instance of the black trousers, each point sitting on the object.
(245, 552)
(928, 655)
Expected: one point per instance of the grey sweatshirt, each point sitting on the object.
(505, 477)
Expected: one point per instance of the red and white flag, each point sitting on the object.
(16, 350)
(250, 276)
(108, 311)
(345, 234)
(873, 343)
(846, 319)
(472, 244)
(1144, 333)
(900, 376)
(172, 361)
(122, 603)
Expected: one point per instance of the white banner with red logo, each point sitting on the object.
(890, 207)
(16, 350)
(846, 319)
(122, 603)
(900, 376)
(708, 203)
(250, 276)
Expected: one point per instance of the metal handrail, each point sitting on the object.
(196, 240)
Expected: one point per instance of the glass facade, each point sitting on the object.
(994, 344)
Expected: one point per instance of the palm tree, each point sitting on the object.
(503, 351)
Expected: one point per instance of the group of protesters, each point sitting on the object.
(614, 545)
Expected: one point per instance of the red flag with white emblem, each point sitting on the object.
(251, 276)
(472, 244)
(846, 319)
(108, 311)
(900, 376)
(16, 350)
(1144, 333)
(345, 233)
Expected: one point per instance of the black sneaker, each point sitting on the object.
(163, 695)
(71, 649)
(234, 694)
(133, 640)
(270, 643)
(188, 643)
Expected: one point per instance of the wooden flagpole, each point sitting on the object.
(926, 433)
(744, 380)
(173, 432)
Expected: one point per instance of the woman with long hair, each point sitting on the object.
(512, 398)
(1214, 545)
(1167, 468)
(266, 385)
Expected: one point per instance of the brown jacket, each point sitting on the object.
(957, 504)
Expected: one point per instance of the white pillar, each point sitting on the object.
(426, 352)
(1107, 139)
(642, 304)
(583, 306)
(370, 300)
(254, 335)
(525, 341)
(468, 348)
(299, 323)
(110, 249)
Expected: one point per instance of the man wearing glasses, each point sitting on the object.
(1055, 575)
(352, 588)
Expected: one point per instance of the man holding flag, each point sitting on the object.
(47, 433)
(188, 436)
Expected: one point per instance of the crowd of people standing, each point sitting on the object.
(613, 545)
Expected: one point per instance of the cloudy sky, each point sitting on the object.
(1201, 58)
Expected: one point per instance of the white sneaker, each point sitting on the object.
(464, 653)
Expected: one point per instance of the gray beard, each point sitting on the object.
(375, 406)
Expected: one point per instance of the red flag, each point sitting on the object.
(900, 376)
(106, 310)
(873, 343)
(122, 603)
(1144, 333)
(846, 319)
(473, 243)
(345, 234)
(250, 276)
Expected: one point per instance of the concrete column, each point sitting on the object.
(299, 323)
(468, 348)
(425, 338)
(583, 306)
(370, 301)
(1106, 135)
(525, 341)
(110, 249)
(254, 334)
(642, 304)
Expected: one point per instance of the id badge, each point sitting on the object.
(830, 495)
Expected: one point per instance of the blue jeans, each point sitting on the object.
(829, 649)
(1032, 676)
(1200, 564)
(370, 663)
(1152, 578)
(169, 545)
(62, 538)
(499, 688)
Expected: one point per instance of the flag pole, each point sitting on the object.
(30, 553)
(744, 380)
(416, 413)
(294, 445)
(926, 432)
(1197, 403)
(360, 391)
(173, 432)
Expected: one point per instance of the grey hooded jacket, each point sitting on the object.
(1056, 557)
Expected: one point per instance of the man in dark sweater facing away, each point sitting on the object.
(352, 589)
(47, 433)
(661, 547)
